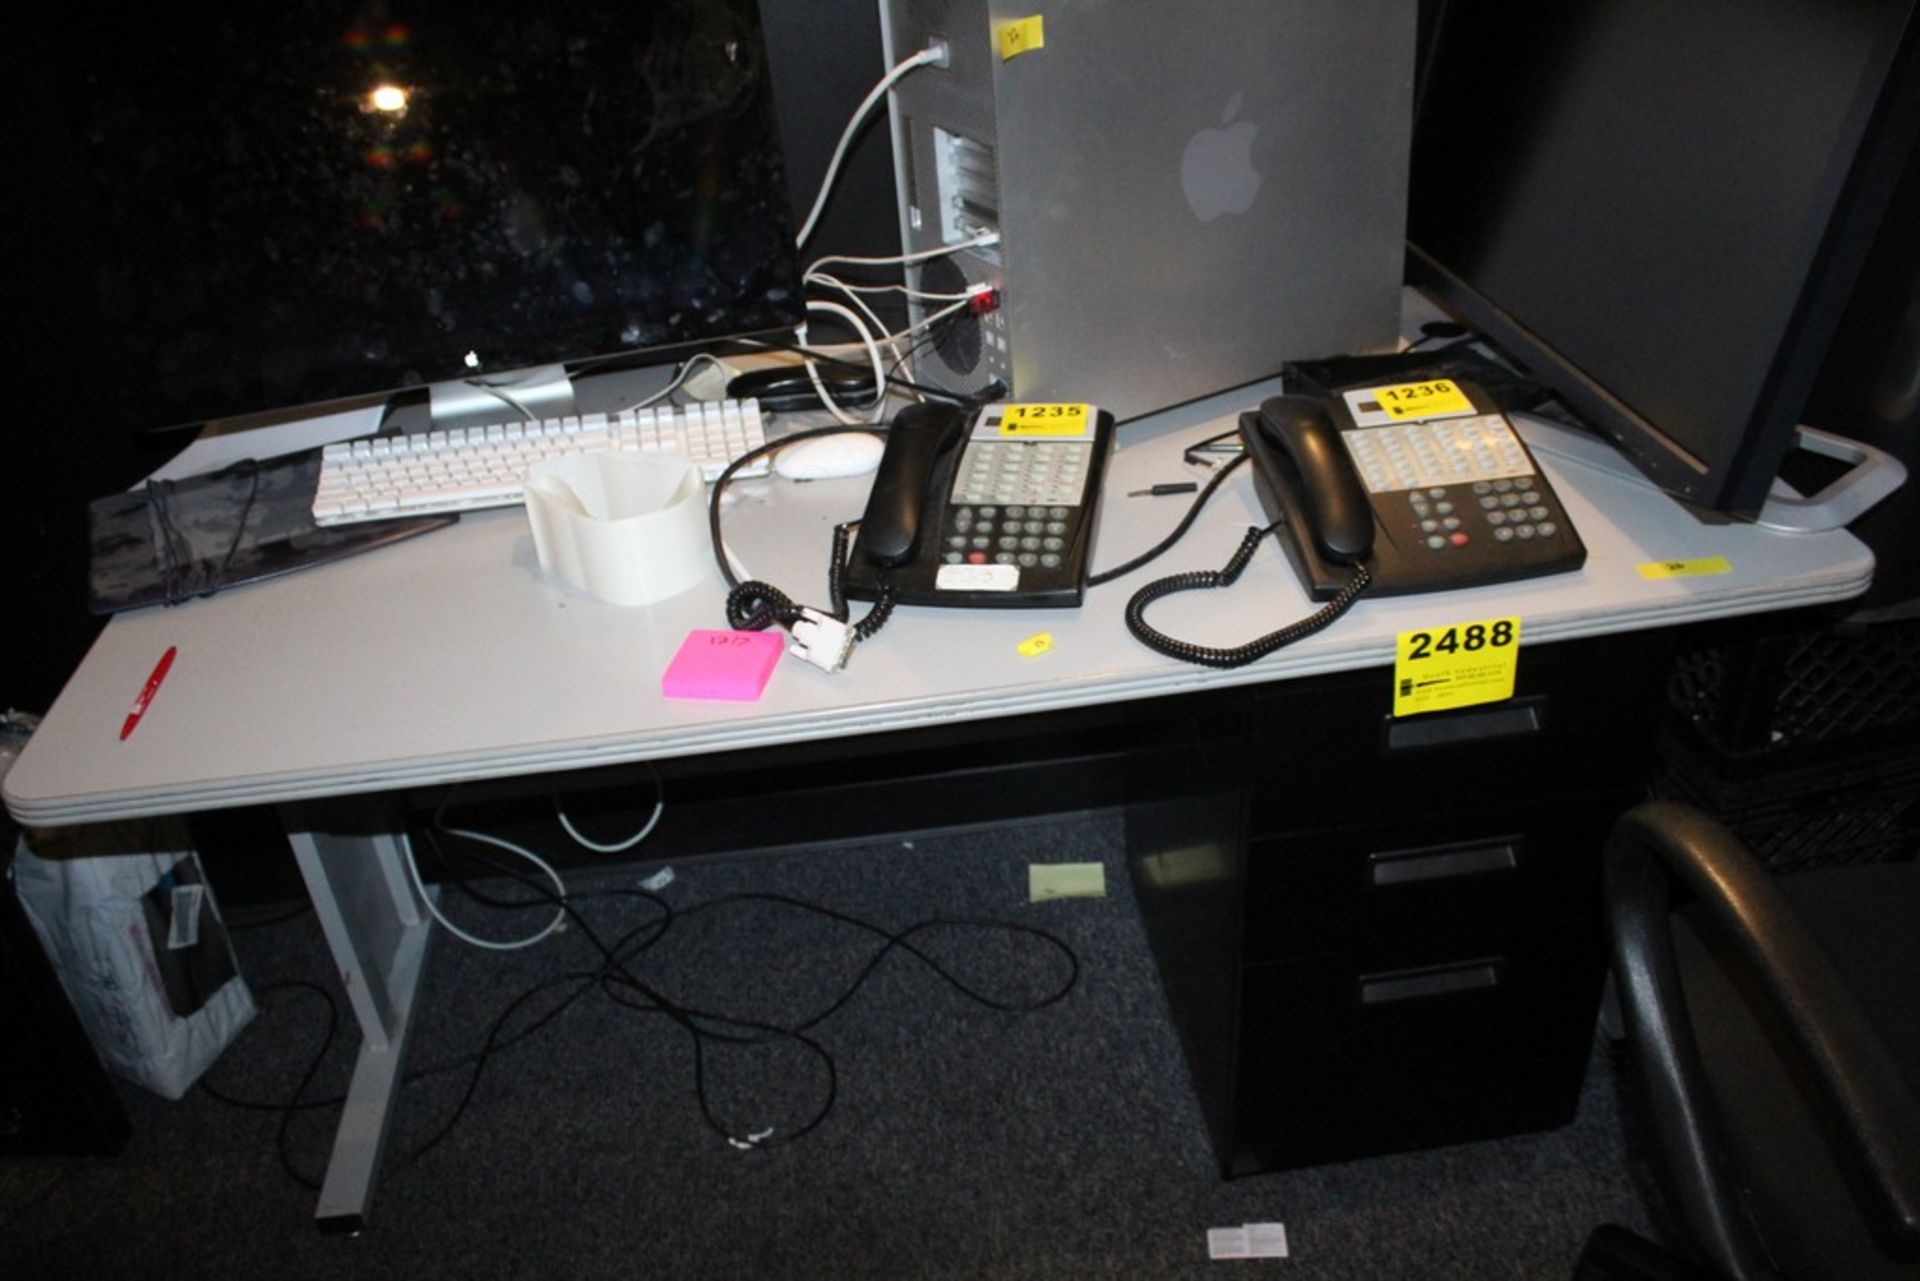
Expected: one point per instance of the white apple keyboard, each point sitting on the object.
(469, 468)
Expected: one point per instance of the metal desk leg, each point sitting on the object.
(377, 928)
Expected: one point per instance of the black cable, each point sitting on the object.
(1191, 454)
(612, 977)
(1179, 530)
(754, 606)
(1239, 655)
(720, 482)
(292, 1105)
(900, 940)
(615, 978)
(181, 576)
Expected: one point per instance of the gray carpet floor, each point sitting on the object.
(962, 1140)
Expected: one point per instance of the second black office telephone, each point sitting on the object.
(991, 507)
(1426, 484)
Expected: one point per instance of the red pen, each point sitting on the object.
(147, 692)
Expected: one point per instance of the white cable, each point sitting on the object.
(687, 367)
(980, 241)
(502, 394)
(873, 354)
(847, 286)
(813, 367)
(621, 847)
(873, 317)
(887, 81)
(931, 318)
(560, 886)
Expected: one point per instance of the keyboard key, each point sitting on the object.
(467, 469)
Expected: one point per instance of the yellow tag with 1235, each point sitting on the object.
(1045, 420)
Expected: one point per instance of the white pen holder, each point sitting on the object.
(629, 529)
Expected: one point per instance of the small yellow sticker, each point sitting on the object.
(1686, 568)
(1065, 880)
(1429, 399)
(1036, 644)
(1459, 665)
(1022, 35)
(1045, 420)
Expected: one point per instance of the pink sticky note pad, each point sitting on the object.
(732, 665)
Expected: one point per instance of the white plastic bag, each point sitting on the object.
(139, 946)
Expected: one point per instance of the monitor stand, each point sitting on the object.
(543, 391)
(1871, 475)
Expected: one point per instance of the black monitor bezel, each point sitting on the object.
(1737, 475)
(129, 403)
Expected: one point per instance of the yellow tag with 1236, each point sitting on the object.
(1423, 400)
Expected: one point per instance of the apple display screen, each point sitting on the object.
(292, 203)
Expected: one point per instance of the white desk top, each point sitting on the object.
(451, 657)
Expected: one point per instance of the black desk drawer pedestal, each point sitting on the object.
(1412, 954)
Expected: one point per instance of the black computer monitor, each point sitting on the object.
(297, 202)
(1660, 208)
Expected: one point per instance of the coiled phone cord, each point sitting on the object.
(754, 605)
(1239, 655)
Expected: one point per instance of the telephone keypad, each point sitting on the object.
(1512, 508)
(1010, 534)
(1014, 502)
(1467, 455)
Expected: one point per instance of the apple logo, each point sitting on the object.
(1216, 169)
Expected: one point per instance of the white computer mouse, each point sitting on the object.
(847, 453)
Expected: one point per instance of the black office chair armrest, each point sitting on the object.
(1843, 1051)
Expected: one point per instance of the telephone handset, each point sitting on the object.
(1334, 505)
(919, 438)
(991, 507)
(1426, 484)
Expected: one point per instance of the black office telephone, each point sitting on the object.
(1427, 484)
(990, 507)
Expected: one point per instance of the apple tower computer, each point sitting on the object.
(1168, 200)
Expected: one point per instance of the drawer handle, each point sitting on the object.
(1478, 725)
(1412, 985)
(1404, 867)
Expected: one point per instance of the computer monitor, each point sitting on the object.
(1660, 209)
(298, 202)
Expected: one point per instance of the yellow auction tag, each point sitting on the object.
(1066, 880)
(1022, 35)
(1428, 399)
(1035, 645)
(1045, 420)
(1686, 568)
(1459, 665)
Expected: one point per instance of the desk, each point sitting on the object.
(451, 658)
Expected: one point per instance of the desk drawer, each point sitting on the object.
(1338, 1060)
(1387, 892)
(1333, 755)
